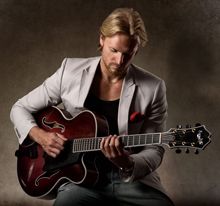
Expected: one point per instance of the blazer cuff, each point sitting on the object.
(25, 130)
(140, 169)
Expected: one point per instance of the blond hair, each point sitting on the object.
(127, 21)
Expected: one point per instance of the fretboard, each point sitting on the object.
(93, 144)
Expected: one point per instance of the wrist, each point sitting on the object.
(128, 170)
(36, 133)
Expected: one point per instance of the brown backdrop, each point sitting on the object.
(183, 49)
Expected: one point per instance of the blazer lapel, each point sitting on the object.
(86, 80)
(127, 93)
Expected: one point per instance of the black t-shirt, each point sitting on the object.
(109, 109)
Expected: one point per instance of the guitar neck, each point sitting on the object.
(93, 144)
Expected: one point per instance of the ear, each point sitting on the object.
(101, 40)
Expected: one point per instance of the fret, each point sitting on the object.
(76, 146)
(155, 139)
(85, 147)
(132, 140)
(136, 141)
(128, 140)
(88, 145)
(81, 144)
(92, 143)
(96, 142)
(142, 140)
(73, 148)
(147, 139)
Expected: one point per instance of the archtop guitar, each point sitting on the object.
(40, 175)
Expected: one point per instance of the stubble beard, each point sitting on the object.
(116, 70)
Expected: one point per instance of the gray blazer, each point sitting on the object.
(142, 92)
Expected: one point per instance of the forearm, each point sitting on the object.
(147, 161)
(36, 134)
(48, 93)
(22, 120)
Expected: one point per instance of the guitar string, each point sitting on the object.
(88, 144)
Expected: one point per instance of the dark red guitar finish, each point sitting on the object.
(37, 182)
(40, 175)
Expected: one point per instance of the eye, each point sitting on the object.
(127, 54)
(113, 50)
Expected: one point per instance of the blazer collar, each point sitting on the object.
(127, 94)
(87, 76)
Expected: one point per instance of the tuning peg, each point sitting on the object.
(187, 151)
(179, 126)
(178, 151)
(197, 124)
(188, 126)
(196, 151)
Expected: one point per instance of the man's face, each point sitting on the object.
(117, 53)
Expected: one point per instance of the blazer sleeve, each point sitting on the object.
(150, 158)
(47, 94)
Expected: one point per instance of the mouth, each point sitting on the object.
(113, 65)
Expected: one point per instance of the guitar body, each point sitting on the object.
(40, 175)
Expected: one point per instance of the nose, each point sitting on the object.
(119, 58)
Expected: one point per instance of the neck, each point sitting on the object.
(93, 144)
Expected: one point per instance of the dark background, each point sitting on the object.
(183, 49)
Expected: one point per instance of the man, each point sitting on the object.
(132, 100)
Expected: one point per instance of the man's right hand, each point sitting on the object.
(52, 143)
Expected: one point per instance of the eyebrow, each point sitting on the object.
(127, 52)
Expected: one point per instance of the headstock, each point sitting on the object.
(197, 137)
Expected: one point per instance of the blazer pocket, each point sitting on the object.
(135, 127)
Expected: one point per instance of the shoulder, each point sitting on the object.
(144, 78)
(80, 61)
(77, 65)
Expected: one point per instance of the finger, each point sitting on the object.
(104, 145)
(54, 151)
(107, 141)
(112, 141)
(53, 142)
(58, 141)
(61, 137)
(52, 154)
(57, 145)
(119, 146)
(112, 145)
